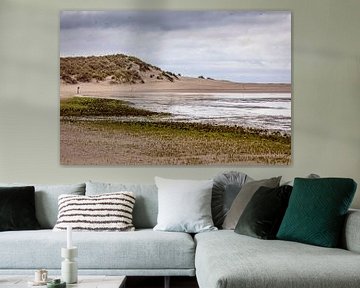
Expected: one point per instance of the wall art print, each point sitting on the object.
(175, 87)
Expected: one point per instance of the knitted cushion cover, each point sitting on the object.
(316, 211)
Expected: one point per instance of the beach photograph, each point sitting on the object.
(175, 87)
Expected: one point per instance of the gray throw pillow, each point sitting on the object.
(242, 199)
(184, 205)
(226, 187)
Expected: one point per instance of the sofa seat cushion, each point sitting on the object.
(142, 249)
(225, 259)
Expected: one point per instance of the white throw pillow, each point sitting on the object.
(105, 212)
(184, 205)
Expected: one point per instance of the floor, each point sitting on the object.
(158, 282)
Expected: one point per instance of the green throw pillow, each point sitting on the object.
(316, 211)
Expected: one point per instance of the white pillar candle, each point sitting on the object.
(69, 237)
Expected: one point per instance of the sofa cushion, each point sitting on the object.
(225, 259)
(317, 209)
(243, 198)
(137, 250)
(17, 208)
(46, 200)
(225, 189)
(263, 214)
(105, 212)
(146, 205)
(184, 205)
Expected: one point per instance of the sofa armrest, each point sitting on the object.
(351, 234)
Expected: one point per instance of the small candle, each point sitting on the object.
(69, 239)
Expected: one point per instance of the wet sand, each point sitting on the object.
(98, 143)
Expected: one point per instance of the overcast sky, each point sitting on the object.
(230, 45)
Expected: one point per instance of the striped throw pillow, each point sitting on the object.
(105, 212)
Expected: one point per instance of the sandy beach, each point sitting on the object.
(184, 84)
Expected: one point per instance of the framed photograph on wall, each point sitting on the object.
(175, 87)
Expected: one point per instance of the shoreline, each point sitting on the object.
(101, 109)
(184, 85)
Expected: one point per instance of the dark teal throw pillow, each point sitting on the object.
(17, 209)
(316, 211)
(264, 212)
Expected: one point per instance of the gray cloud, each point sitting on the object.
(165, 20)
(232, 45)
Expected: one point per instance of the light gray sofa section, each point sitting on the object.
(143, 252)
(225, 259)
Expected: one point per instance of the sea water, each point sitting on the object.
(270, 111)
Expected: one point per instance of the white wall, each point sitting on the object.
(326, 91)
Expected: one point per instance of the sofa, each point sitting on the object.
(218, 259)
(243, 261)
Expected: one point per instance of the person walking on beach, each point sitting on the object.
(78, 90)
